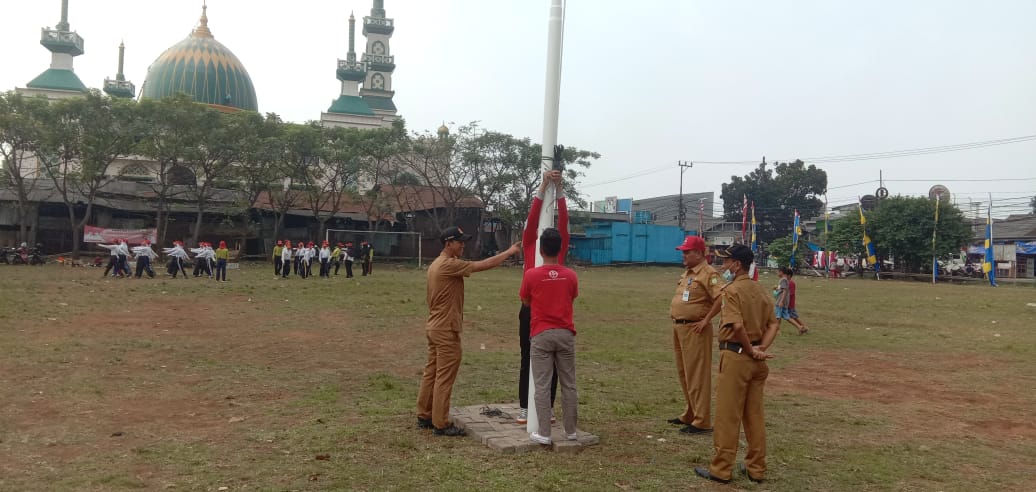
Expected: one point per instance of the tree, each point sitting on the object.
(21, 132)
(780, 251)
(380, 154)
(327, 181)
(170, 137)
(901, 228)
(221, 146)
(1033, 204)
(83, 138)
(794, 187)
(846, 236)
(299, 146)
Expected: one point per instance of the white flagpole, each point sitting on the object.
(551, 104)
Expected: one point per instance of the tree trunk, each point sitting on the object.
(278, 222)
(197, 225)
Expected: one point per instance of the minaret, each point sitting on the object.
(377, 88)
(350, 110)
(350, 71)
(120, 87)
(63, 45)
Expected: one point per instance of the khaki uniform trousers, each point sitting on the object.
(694, 366)
(739, 401)
(433, 399)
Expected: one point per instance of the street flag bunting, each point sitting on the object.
(935, 260)
(989, 262)
(872, 257)
(744, 217)
(755, 246)
(796, 232)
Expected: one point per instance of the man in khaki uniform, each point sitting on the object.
(445, 321)
(691, 311)
(747, 328)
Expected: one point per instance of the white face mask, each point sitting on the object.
(729, 277)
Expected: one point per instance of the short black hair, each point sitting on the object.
(788, 271)
(550, 242)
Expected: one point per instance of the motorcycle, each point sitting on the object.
(5, 255)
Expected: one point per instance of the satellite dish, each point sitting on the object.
(939, 191)
(868, 202)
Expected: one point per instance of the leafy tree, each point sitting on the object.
(780, 251)
(777, 194)
(21, 132)
(83, 138)
(257, 175)
(170, 137)
(224, 137)
(846, 236)
(300, 147)
(378, 165)
(901, 228)
(328, 180)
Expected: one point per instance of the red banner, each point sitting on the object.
(93, 234)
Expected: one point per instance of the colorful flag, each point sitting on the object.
(868, 246)
(935, 228)
(755, 245)
(989, 262)
(796, 232)
(701, 219)
(744, 217)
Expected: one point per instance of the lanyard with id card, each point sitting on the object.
(687, 291)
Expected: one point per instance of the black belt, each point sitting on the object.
(735, 347)
(685, 321)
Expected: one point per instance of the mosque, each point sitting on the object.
(205, 69)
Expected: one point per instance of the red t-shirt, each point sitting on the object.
(550, 290)
(791, 294)
(531, 232)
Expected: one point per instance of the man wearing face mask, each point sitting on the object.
(691, 312)
(747, 328)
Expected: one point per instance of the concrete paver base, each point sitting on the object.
(503, 434)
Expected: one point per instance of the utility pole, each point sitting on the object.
(682, 213)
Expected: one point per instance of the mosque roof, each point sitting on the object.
(350, 105)
(204, 69)
(59, 79)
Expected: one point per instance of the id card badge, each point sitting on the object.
(686, 295)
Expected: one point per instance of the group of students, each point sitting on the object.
(299, 259)
(207, 261)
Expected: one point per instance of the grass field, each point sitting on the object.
(264, 384)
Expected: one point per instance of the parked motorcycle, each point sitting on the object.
(5, 255)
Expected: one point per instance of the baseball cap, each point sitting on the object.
(738, 252)
(692, 243)
(454, 234)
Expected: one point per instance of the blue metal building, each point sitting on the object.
(622, 242)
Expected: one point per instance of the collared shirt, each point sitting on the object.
(702, 285)
(446, 292)
(745, 302)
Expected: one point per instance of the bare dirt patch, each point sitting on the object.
(922, 392)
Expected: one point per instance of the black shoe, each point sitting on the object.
(744, 471)
(451, 431)
(704, 473)
(690, 429)
(424, 423)
(676, 421)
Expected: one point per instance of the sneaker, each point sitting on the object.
(537, 438)
(573, 436)
(451, 431)
(424, 423)
(523, 416)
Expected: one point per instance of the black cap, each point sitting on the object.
(454, 234)
(738, 252)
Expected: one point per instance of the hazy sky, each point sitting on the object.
(645, 83)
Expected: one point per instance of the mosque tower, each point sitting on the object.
(369, 106)
(59, 81)
(120, 87)
(377, 90)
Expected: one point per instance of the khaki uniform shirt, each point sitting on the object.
(745, 302)
(446, 293)
(697, 289)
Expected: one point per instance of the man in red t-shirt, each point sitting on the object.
(532, 224)
(549, 290)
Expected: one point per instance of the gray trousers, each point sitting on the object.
(555, 349)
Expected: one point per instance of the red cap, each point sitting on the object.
(280, 243)
(310, 244)
(223, 244)
(288, 242)
(692, 243)
(147, 242)
(340, 244)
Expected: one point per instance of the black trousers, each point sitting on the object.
(325, 268)
(348, 269)
(221, 268)
(285, 269)
(338, 264)
(113, 263)
(277, 266)
(524, 328)
(144, 265)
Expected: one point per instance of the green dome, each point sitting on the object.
(204, 69)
